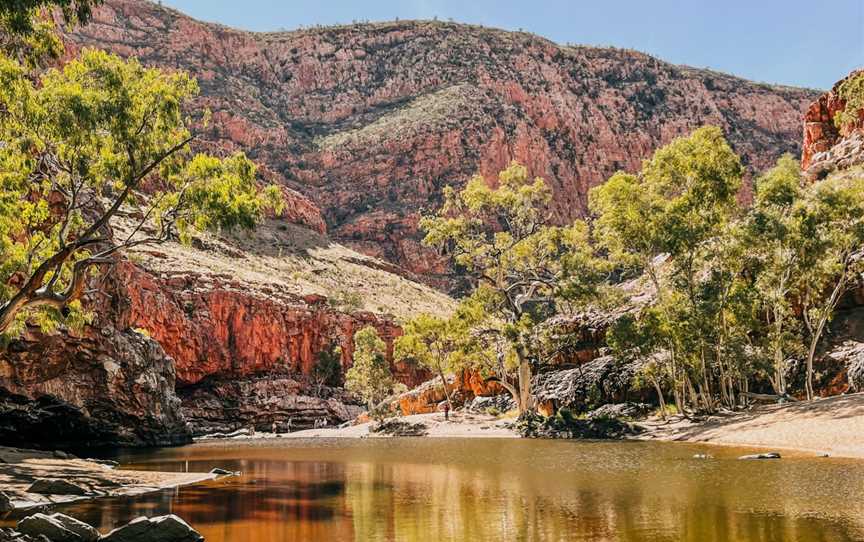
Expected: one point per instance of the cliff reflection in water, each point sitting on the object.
(429, 489)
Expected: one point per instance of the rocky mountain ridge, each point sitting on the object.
(363, 125)
(369, 122)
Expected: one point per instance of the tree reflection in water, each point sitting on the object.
(450, 489)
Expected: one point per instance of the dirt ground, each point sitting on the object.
(833, 426)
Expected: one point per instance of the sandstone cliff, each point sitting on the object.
(826, 147)
(370, 121)
(104, 387)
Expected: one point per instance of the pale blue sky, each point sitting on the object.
(798, 42)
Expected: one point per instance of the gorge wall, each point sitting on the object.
(105, 386)
(827, 147)
(363, 125)
(371, 121)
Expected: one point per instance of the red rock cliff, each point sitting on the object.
(370, 121)
(218, 327)
(821, 136)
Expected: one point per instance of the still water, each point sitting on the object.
(491, 489)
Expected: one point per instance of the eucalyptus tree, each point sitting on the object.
(370, 377)
(517, 261)
(666, 222)
(831, 221)
(79, 144)
(773, 233)
(434, 343)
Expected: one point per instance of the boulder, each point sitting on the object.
(502, 403)
(168, 528)
(620, 410)
(602, 380)
(227, 407)
(850, 356)
(7, 534)
(399, 428)
(49, 486)
(62, 391)
(57, 528)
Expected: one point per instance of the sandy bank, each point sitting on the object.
(19, 468)
(460, 425)
(833, 426)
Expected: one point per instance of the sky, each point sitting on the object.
(809, 43)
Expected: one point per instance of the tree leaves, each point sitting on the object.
(79, 144)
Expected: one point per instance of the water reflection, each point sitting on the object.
(427, 489)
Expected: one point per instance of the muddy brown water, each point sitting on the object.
(496, 489)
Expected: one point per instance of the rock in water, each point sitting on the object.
(57, 528)
(47, 486)
(168, 528)
(768, 455)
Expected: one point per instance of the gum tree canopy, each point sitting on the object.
(519, 264)
(27, 29)
(76, 148)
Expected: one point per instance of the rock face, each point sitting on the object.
(105, 388)
(219, 327)
(463, 387)
(369, 122)
(825, 146)
(168, 528)
(595, 383)
(57, 528)
(265, 403)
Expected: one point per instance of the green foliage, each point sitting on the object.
(852, 91)
(434, 343)
(563, 425)
(729, 282)
(347, 301)
(773, 234)
(431, 342)
(521, 266)
(21, 16)
(220, 194)
(369, 376)
(327, 370)
(680, 198)
(831, 221)
(78, 143)
(27, 31)
(674, 222)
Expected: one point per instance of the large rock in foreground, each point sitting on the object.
(57, 528)
(168, 528)
(106, 388)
